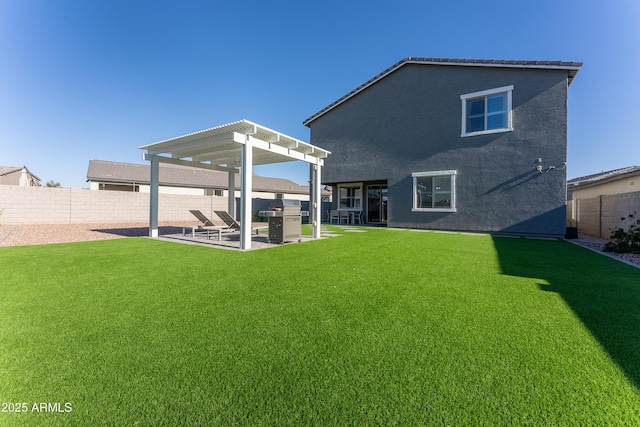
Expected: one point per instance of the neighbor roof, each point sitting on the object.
(601, 177)
(183, 176)
(572, 69)
(5, 170)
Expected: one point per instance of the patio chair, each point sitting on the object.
(357, 217)
(344, 215)
(207, 227)
(231, 223)
(203, 219)
(334, 215)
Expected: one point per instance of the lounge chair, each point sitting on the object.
(228, 219)
(208, 227)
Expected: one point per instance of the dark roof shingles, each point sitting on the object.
(589, 179)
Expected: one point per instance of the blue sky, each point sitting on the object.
(83, 80)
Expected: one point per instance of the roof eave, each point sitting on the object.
(605, 180)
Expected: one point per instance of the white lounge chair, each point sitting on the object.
(208, 227)
(230, 222)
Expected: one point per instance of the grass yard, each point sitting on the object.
(383, 327)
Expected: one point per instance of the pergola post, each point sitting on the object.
(311, 198)
(316, 203)
(246, 185)
(231, 195)
(153, 197)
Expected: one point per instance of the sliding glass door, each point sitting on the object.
(377, 197)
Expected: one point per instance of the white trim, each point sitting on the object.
(434, 173)
(486, 92)
(483, 94)
(451, 173)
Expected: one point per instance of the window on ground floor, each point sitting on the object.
(350, 196)
(434, 191)
(213, 192)
(119, 187)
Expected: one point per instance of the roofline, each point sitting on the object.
(571, 67)
(19, 168)
(8, 171)
(604, 179)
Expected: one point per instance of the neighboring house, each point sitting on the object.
(450, 144)
(601, 202)
(174, 179)
(12, 175)
(617, 181)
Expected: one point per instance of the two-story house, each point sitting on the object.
(450, 144)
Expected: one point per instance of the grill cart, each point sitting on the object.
(285, 221)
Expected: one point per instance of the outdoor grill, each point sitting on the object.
(285, 221)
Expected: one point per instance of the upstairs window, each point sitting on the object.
(488, 111)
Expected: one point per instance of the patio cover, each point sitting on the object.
(235, 147)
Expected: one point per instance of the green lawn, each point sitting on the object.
(384, 327)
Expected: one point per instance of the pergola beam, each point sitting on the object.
(283, 151)
(188, 163)
(188, 142)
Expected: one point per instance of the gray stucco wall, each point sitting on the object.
(410, 121)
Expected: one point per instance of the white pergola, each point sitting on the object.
(235, 148)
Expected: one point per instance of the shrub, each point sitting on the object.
(625, 241)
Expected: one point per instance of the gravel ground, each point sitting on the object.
(39, 234)
(597, 245)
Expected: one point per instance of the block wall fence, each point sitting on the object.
(598, 216)
(595, 216)
(45, 205)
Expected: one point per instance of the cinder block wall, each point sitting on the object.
(598, 216)
(44, 205)
(616, 210)
(588, 212)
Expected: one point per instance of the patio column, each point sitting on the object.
(231, 195)
(153, 196)
(311, 198)
(316, 203)
(246, 183)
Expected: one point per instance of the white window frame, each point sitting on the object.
(508, 90)
(450, 173)
(354, 186)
